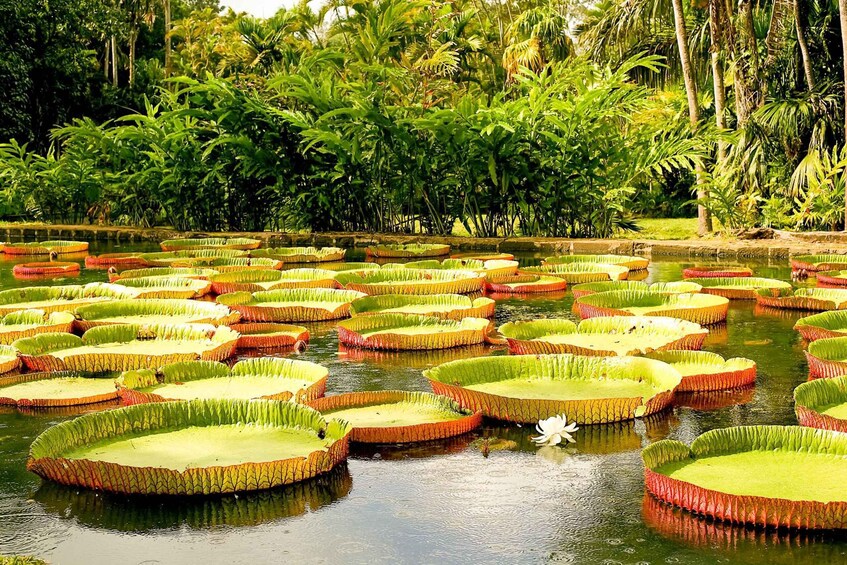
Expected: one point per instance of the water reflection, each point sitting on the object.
(412, 359)
(742, 544)
(715, 399)
(142, 513)
(421, 450)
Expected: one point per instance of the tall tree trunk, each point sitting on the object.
(738, 44)
(114, 61)
(166, 7)
(716, 55)
(800, 25)
(106, 61)
(133, 38)
(704, 219)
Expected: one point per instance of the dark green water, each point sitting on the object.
(441, 502)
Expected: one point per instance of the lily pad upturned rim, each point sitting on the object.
(6, 381)
(290, 255)
(37, 352)
(115, 259)
(187, 243)
(44, 269)
(631, 262)
(258, 306)
(814, 299)
(812, 397)
(202, 312)
(46, 453)
(182, 272)
(740, 288)
(407, 250)
(483, 255)
(745, 509)
(525, 284)
(827, 357)
(524, 337)
(9, 360)
(446, 333)
(831, 279)
(576, 272)
(166, 287)
(251, 280)
(131, 384)
(451, 378)
(412, 281)
(34, 322)
(448, 306)
(823, 325)
(267, 335)
(736, 372)
(819, 262)
(59, 298)
(400, 434)
(716, 271)
(60, 246)
(710, 310)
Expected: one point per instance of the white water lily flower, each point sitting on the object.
(554, 430)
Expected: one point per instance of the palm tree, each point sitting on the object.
(704, 219)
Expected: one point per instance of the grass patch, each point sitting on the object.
(663, 228)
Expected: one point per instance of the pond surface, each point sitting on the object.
(440, 502)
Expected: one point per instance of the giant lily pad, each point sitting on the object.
(194, 447)
(803, 299)
(675, 287)
(350, 266)
(740, 288)
(153, 311)
(705, 371)
(272, 378)
(393, 416)
(822, 403)
(528, 388)
(9, 360)
(630, 262)
(166, 287)
(408, 251)
(699, 308)
(827, 357)
(256, 280)
(817, 263)
(27, 323)
(832, 279)
(164, 272)
(491, 268)
(242, 243)
(52, 390)
(45, 247)
(187, 258)
(302, 254)
(291, 305)
(106, 260)
(223, 265)
(575, 273)
(619, 335)
(412, 281)
(45, 269)
(525, 284)
(263, 335)
(823, 325)
(124, 347)
(484, 256)
(449, 306)
(410, 331)
(716, 271)
(778, 476)
(59, 298)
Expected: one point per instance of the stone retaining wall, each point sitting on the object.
(779, 248)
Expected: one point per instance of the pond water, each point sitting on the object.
(440, 502)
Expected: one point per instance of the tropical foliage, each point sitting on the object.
(532, 117)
